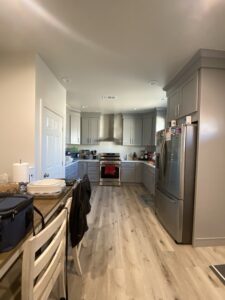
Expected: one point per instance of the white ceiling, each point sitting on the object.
(113, 47)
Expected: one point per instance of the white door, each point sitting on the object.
(52, 145)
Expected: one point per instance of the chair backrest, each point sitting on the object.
(40, 273)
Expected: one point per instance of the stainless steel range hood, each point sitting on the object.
(111, 128)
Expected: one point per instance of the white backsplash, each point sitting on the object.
(125, 151)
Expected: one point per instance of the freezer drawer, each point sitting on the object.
(170, 214)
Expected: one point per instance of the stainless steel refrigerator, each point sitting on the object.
(175, 169)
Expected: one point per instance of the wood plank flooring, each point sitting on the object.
(129, 255)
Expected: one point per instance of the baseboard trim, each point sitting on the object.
(207, 242)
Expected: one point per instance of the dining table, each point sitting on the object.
(48, 205)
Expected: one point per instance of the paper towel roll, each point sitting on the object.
(21, 172)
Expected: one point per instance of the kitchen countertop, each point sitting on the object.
(149, 163)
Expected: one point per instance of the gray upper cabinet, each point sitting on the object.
(126, 131)
(137, 132)
(132, 130)
(183, 100)
(85, 137)
(94, 130)
(173, 105)
(189, 95)
(147, 130)
(90, 130)
(153, 122)
(72, 127)
(128, 172)
(75, 128)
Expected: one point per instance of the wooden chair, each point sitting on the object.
(39, 274)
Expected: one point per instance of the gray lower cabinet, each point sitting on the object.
(149, 178)
(82, 168)
(71, 171)
(128, 172)
(138, 172)
(90, 168)
(93, 171)
(131, 172)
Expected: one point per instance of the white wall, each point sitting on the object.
(49, 93)
(209, 218)
(111, 147)
(17, 109)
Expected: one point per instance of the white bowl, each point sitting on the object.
(46, 186)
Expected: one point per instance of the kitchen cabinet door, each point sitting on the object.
(147, 131)
(173, 105)
(138, 172)
(75, 128)
(128, 173)
(136, 133)
(126, 131)
(82, 168)
(93, 131)
(94, 171)
(132, 131)
(90, 131)
(189, 96)
(85, 131)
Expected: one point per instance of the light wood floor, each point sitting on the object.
(130, 256)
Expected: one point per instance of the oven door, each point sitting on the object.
(109, 171)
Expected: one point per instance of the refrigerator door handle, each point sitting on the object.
(164, 158)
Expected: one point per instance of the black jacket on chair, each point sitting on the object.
(80, 207)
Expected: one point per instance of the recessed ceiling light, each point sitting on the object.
(66, 79)
(83, 106)
(154, 83)
(135, 108)
(109, 98)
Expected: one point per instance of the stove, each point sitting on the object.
(110, 164)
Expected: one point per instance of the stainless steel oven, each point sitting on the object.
(110, 165)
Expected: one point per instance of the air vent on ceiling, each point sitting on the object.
(109, 98)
